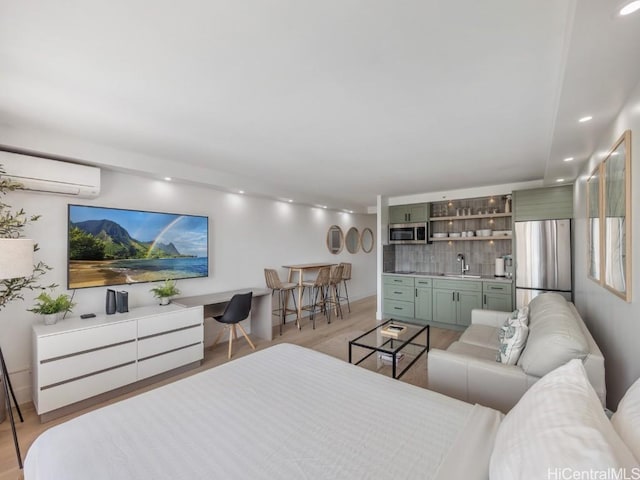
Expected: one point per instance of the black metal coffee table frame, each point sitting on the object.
(391, 350)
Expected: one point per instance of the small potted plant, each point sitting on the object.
(52, 308)
(164, 291)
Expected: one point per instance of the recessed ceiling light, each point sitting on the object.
(290, 200)
(631, 7)
(241, 192)
(560, 180)
(585, 119)
(568, 159)
(168, 179)
(324, 206)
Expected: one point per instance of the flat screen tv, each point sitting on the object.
(113, 246)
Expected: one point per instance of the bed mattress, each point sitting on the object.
(285, 412)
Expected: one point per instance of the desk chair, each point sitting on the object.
(283, 289)
(236, 310)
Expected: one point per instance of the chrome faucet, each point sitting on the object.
(463, 267)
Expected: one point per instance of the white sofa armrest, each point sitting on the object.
(491, 318)
(476, 380)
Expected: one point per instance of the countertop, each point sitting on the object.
(450, 276)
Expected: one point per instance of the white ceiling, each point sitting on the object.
(328, 102)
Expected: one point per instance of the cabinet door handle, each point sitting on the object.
(484, 299)
(398, 293)
(397, 280)
(416, 293)
(458, 294)
(453, 296)
(397, 308)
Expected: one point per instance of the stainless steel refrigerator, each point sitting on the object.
(543, 259)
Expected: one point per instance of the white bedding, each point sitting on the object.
(285, 412)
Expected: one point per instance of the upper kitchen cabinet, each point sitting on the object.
(550, 203)
(418, 212)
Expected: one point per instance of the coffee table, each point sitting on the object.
(404, 343)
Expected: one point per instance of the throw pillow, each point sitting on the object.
(626, 420)
(512, 341)
(558, 428)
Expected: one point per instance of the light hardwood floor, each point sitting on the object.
(330, 338)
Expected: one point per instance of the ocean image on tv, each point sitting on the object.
(109, 246)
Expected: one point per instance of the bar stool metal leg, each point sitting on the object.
(8, 389)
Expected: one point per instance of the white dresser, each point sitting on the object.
(77, 359)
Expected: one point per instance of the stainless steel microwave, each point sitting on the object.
(408, 233)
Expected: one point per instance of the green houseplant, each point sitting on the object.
(164, 291)
(52, 308)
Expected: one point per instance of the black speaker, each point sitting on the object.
(122, 301)
(111, 302)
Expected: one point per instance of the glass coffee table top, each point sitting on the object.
(396, 343)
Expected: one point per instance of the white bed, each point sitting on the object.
(285, 412)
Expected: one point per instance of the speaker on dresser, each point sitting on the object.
(122, 301)
(110, 306)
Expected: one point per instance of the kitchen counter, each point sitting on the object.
(452, 276)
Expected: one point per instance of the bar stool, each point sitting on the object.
(333, 294)
(283, 289)
(318, 291)
(346, 275)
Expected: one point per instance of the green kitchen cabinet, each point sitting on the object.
(453, 300)
(497, 296)
(424, 300)
(548, 203)
(418, 212)
(398, 296)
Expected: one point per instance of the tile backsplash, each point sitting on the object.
(440, 257)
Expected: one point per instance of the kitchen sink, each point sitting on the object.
(458, 275)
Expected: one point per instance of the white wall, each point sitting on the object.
(246, 235)
(614, 323)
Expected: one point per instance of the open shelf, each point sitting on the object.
(470, 239)
(469, 217)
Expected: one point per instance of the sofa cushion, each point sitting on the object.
(474, 351)
(555, 337)
(482, 336)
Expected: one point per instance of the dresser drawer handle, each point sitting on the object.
(398, 293)
(397, 308)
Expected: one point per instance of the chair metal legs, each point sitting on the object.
(315, 292)
(8, 390)
(282, 306)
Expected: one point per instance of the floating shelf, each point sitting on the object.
(469, 217)
(470, 239)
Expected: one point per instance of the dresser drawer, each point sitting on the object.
(168, 361)
(161, 343)
(69, 343)
(74, 366)
(398, 280)
(496, 287)
(67, 393)
(394, 292)
(396, 308)
(169, 321)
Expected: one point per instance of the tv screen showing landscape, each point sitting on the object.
(112, 246)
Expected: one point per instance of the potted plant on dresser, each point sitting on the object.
(52, 308)
(165, 291)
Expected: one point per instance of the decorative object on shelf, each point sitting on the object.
(609, 225)
(52, 308)
(507, 204)
(165, 291)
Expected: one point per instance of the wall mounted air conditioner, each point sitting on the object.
(51, 176)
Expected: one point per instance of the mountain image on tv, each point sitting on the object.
(115, 246)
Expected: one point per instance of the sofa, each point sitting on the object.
(468, 369)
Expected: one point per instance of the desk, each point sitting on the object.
(261, 322)
(300, 269)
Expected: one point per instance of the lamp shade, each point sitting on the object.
(16, 257)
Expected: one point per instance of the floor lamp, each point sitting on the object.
(16, 260)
